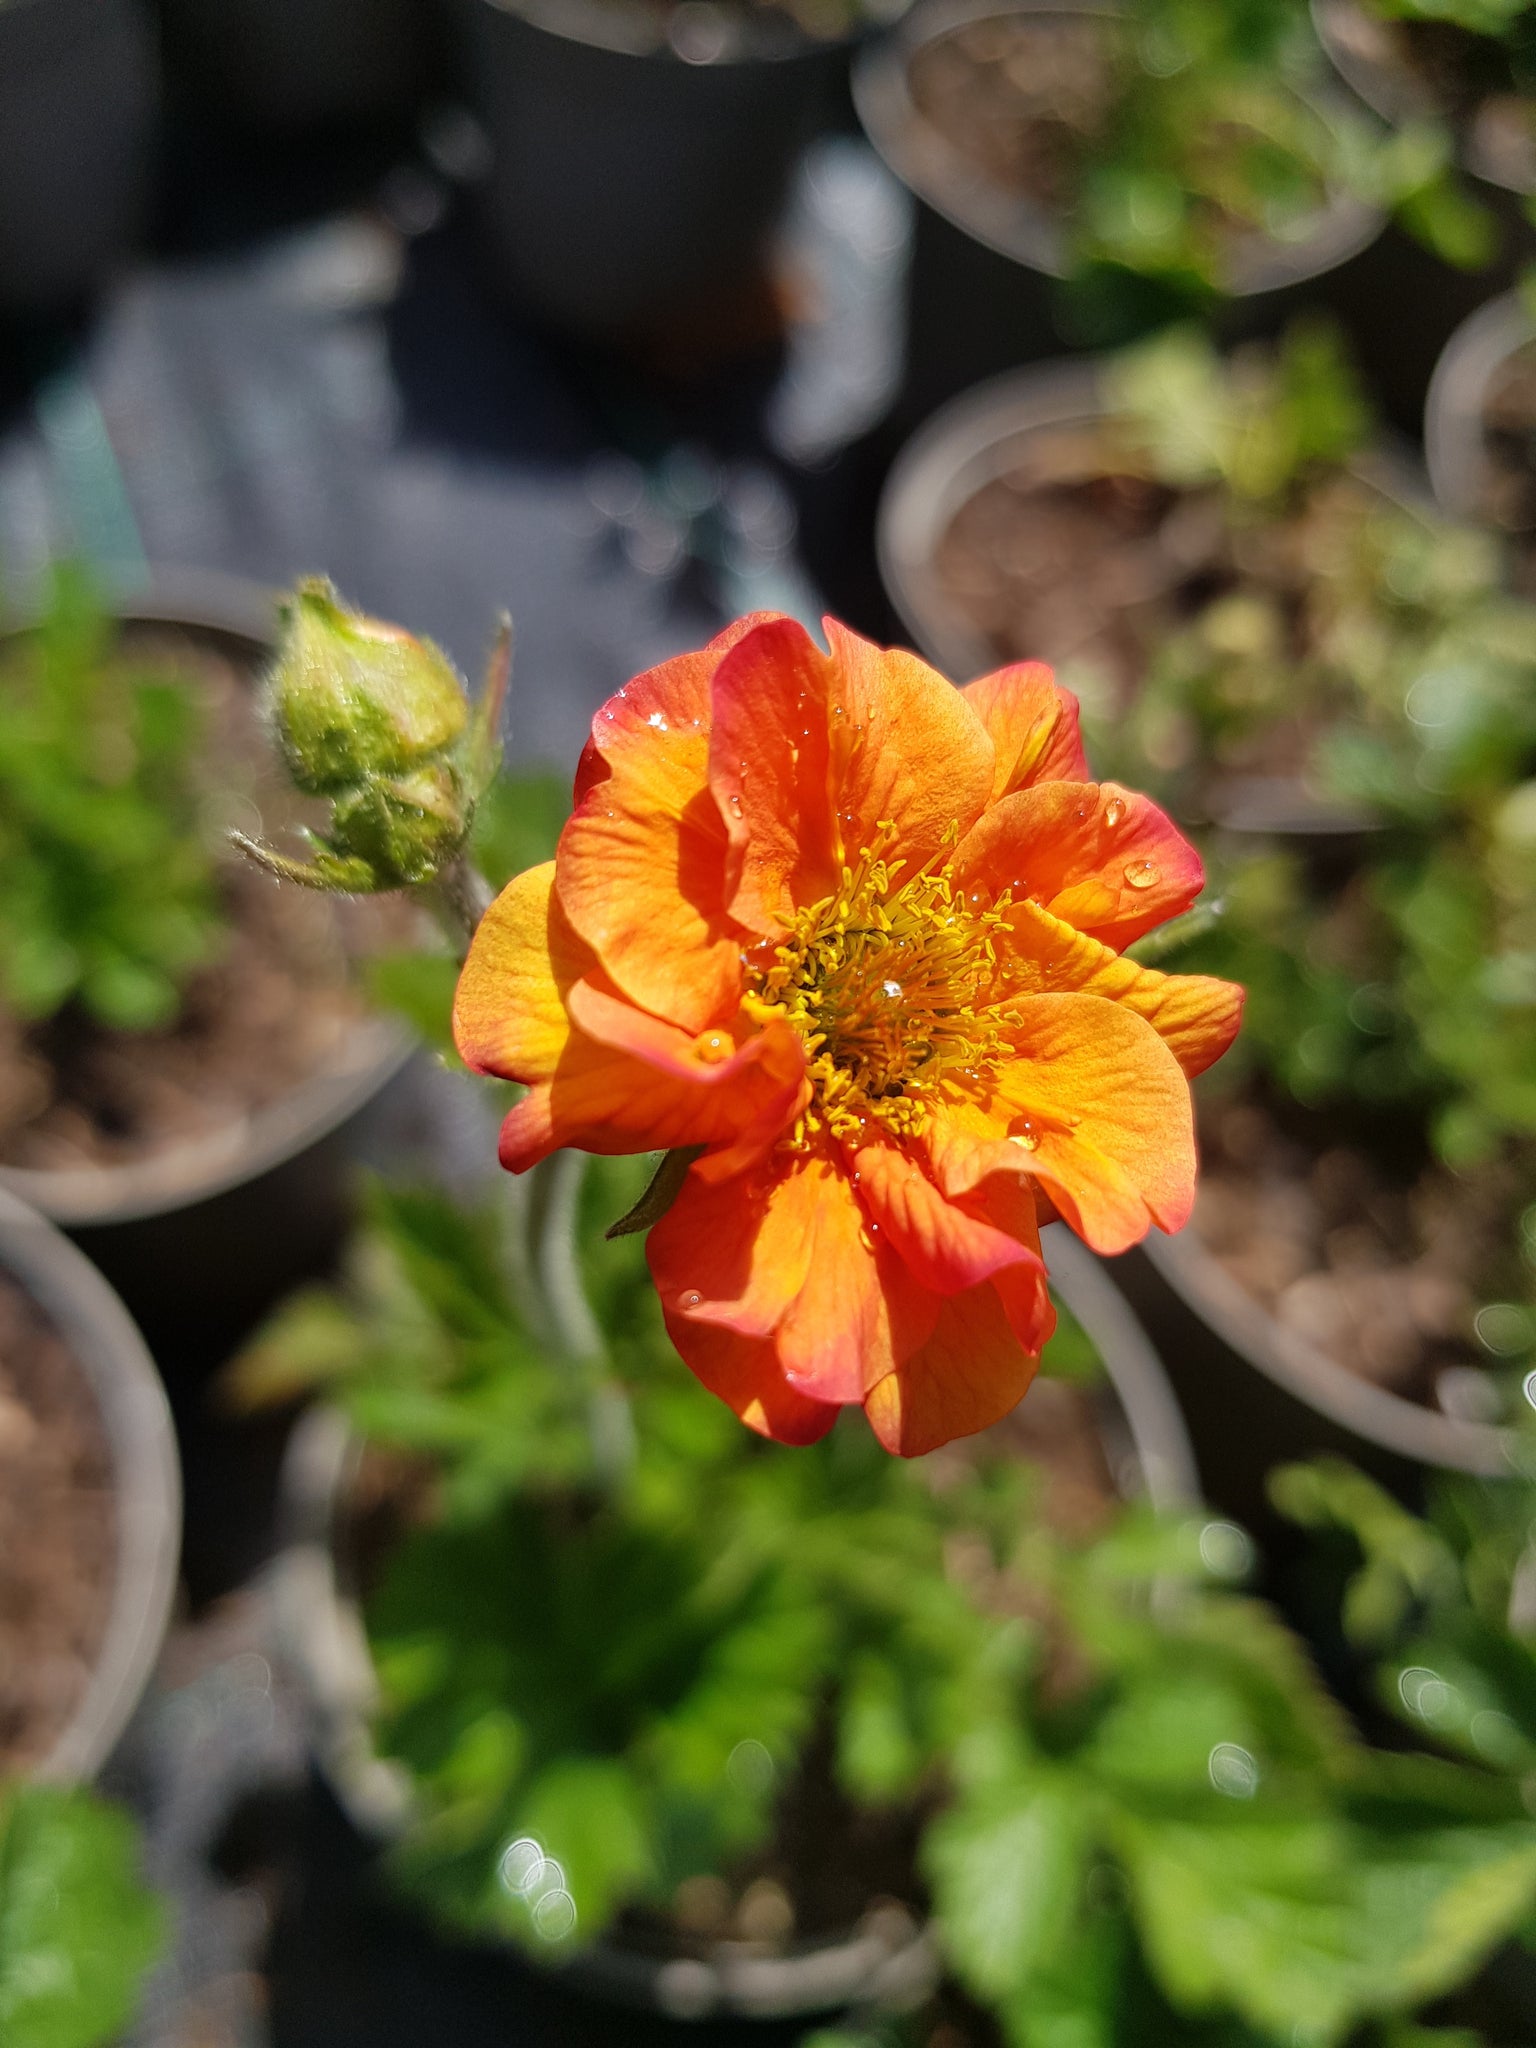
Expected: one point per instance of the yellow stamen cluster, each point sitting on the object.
(890, 984)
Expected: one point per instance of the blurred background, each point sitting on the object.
(364, 1684)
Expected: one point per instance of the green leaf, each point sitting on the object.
(78, 1930)
(590, 1815)
(1006, 1867)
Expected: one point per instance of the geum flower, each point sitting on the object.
(857, 934)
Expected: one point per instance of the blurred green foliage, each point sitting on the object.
(109, 901)
(1147, 1816)
(78, 1929)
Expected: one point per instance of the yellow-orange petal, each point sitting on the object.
(1195, 1015)
(1102, 858)
(640, 867)
(969, 1374)
(786, 1251)
(945, 1248)
(627, 1082)
(811, 754)
(509, 1007)
(1094, 1107)
(1011, 1204)
(1033, 725)
(745, 1373)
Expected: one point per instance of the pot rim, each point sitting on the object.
(1375, 86)
(1308, 1374)
(106, 1344)
(633, 28)
(324, 1638)
(226, 610)
(1458, 389)
(1018, 228)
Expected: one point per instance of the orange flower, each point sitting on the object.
(858, 935)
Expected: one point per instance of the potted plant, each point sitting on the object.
(1480, 427)
(77, 108)
(1084, 173)
(168, 1096)
(679, 1611)
(1259, 627)
(1470, 64)
(641, 155)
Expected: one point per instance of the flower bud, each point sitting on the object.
(352, 697)
(378, 721)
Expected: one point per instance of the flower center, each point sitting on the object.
(890, 984)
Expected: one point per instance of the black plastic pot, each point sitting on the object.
(103, 1341)
(982, 292)
(77, 118)
(293, 67)
(887, 1961)
(635, 183)
(1458, 394)
(1400, 303)
(201, 1239)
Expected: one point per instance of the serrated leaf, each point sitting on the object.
(1005, 1868)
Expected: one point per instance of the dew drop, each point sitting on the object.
(658, 722)
(735, 806)
(1026, 1136)
(1141, 874)
(1081, 810)
(689, 1300)
(1114, 811)
(891, 989)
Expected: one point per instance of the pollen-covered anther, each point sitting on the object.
(891, 984)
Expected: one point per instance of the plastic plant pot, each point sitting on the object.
(1455, 411)
(987, 262)
(78, 100)
(200, 1239)
(888, 1961)
(294, 67)
(107, 1347)
(639, 163)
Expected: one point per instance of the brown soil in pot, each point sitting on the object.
(276, 1007)
(58, 1534)
(1072, 556)
(1372, 1264)
(1508, 496)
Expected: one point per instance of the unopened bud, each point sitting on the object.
(379, 722)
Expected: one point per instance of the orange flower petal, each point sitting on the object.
(812, 753)
(1100, 857)
(1095, 1108)
(1195, 1015)
(1033, 724)
(1010, 1204)
(745, 1373)
(786, 1251)
(508, 1009)
(641, 863)
(627, 1082)
(944, 1248)
(971, 1372)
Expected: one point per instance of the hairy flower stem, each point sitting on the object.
(542, 1249)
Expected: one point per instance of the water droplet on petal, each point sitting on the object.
(657, 721)
(689, 1300)
(1114, 811)
(735, 806)
(1026, 1136)
(891, 989)
(1141, 874)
